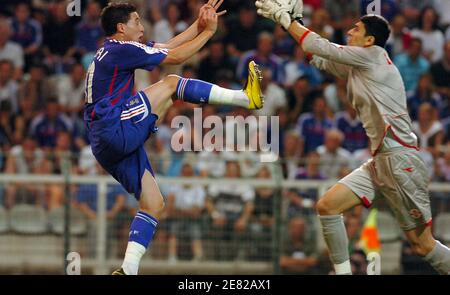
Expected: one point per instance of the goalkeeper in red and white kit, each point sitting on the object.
(396, 172)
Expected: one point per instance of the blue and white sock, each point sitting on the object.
(197, 91)
(141, 233)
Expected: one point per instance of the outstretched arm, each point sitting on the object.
(197, 27)
(316, 45)
(286, 12)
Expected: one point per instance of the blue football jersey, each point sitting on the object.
(110, 76)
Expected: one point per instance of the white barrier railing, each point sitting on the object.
(101, 265)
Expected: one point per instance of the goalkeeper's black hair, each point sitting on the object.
(378, 27)
(115, 13)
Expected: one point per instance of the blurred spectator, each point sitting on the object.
(301, 201)
(262, 219)
(230, 208)
(10, 51)
(429, 160)
(412, 64)
(169, 25)
(283, 44)
(211, 164)
(312, 126)
(23, 120)
(412, 9)
(215, 63)
(354, 133)
(86, 198)
(429, 130)
(89, 32)
(400, 38)
(59, 51)
(428, 31)
(250, 160)
(37, 87)
(274, 95)
(341, 28)
(312, 168)
(441, 72)
(299, 95)
(353, 228)
(160, 157)
(336, 95)
(9, 89)
(70, 90)
(185, 204)
(59, 160)
(446, 126)
(264, 57)
(443, 6)
(7, 126)
(177, 25)
(443, 165)
(299, 67)
(320, 20)
(333, 157)
(25, 158)
(45, 127)
(299, 255)
(338, 9)
(27, 32)
(87, 164)
(284, 127)
(165, 132)
(424, 93)
(291, 154)
(245, 31)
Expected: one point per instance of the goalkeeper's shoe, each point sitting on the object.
(253, 87)
(119, 272)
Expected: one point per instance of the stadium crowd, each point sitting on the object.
(44, 55)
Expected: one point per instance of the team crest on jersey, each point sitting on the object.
(137, 110)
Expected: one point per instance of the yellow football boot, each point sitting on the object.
(253, 87)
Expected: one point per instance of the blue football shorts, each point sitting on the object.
(120, 149)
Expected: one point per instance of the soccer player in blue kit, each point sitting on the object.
(120, 121)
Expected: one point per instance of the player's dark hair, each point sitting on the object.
(378, 27)
(114, 14)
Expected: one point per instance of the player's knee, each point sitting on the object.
(324, 207)
(154, 205)
(172, 81)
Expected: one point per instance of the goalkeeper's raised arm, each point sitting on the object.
(370, 30)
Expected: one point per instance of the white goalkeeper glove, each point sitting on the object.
(276, 10)
(297, 11)
(282, 12)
